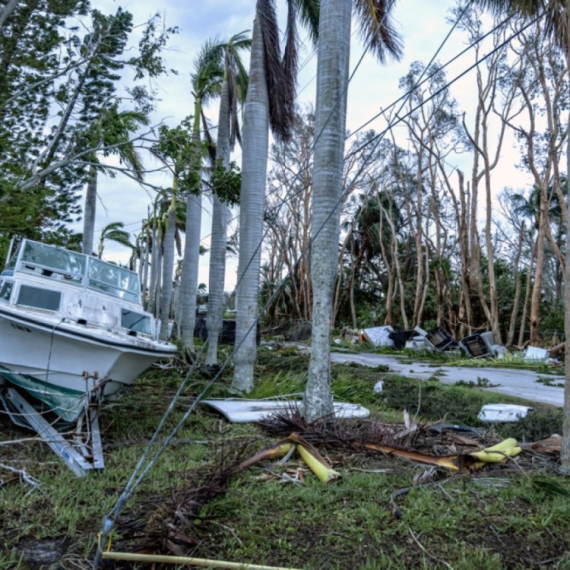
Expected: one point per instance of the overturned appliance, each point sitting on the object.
(441, 340)
(481, 346)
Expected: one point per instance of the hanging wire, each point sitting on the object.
(134, 480)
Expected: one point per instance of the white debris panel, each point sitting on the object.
(245, 411)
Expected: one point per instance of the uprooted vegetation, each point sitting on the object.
(385, 511)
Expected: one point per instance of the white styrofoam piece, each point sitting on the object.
(535, 353)
(244, 411)
(379, 387)
(503, 412)
(421, 332)
(378, 336)
(418, 344)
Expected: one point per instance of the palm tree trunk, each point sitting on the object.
(89, 213)
(189, 277)
(254, 171)
(219, 235)
(153, 268)
(167, 268)
(190, 263)
(145, 265)
(330, 124)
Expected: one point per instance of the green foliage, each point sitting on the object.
(226, 183)
(177, 147)
(59, 106)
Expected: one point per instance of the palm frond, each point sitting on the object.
(279, 122)
(290, 60)
(211, 145)
(376, 28)
(309, 11)
(556, 22)
(524, 7)
(208, 73)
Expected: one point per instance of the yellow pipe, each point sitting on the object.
(133, 557)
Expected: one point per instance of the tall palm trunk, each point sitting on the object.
(219, 235)
(189, 276)
(254, 171)
(330, 122)
(89, 213)
(168, 267)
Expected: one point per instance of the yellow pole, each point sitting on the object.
(164, 559)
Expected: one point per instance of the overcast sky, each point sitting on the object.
(422, 23)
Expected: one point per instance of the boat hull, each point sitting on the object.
(62, 364)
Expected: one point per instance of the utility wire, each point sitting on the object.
(134, 481)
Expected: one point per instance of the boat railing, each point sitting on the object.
(59, 264)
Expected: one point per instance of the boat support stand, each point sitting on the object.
(79, 458)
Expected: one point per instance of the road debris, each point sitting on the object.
(500, 413)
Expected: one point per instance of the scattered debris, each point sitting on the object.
(535, 353)
(379, 336)
(551, 445)
(245, 411)
(378, 387)
(503, 412)
(441, 339)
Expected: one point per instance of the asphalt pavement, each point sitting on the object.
(520, 383)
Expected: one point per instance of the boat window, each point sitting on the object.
(135, 321)
(6, 291)
(39, 298)
(52, 262)
(114, 280)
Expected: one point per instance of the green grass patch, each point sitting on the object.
(496, 519)
(433, 400)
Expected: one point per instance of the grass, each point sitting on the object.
(499, 518)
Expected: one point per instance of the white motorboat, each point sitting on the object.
(72, 328)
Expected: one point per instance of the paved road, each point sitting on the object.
(520, 383)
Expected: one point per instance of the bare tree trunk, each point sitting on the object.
(536, 299)
(527, 295)
(517, 279)
(565, 455)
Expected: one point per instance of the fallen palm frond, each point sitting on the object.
(317, 463)
(450, 462)
(498, 453)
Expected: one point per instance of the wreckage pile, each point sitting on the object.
(478, 345)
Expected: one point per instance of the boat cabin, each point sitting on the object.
(74, 287)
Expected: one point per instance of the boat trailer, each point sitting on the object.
(78, 445)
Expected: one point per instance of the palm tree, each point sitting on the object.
(557, 15)
(269, 103)
(114, 232)
(207, 81)
(123, 125)
(330, 125)
(234, 87)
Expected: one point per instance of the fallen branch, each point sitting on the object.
(24, 476)
(427, 553)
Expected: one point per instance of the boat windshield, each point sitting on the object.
(60, 264)
(113, 280)
(52, 262)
